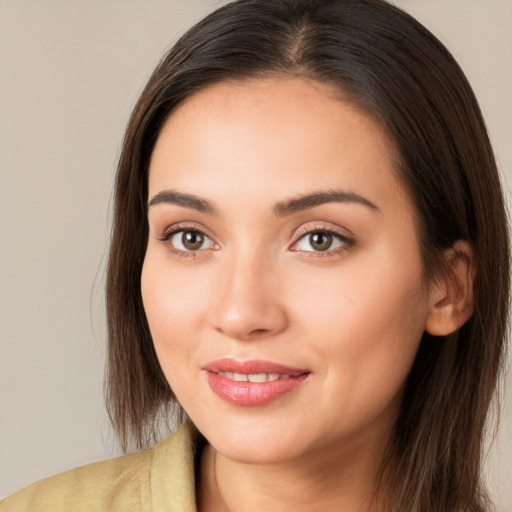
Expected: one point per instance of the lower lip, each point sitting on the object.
(252, 393)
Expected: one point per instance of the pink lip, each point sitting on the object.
(252, 393)
(254, 366)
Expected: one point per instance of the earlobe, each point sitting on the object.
(452, 295)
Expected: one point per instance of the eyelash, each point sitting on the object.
(347, 242)
(169, 233)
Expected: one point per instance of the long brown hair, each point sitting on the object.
(395, 69)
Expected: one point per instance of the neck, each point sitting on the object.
(343, 481)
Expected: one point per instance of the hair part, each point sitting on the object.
(388, 64)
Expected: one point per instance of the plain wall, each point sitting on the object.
(70, 72)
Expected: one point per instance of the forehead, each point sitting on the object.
(273, 137)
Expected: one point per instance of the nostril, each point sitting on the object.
(257, 332)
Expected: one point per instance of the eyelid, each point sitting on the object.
(323, 226)
(165, 234)
(343, 234)
(169, 232)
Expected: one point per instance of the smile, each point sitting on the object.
(253, 377)
(252, 383)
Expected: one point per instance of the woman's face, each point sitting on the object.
(282, 282)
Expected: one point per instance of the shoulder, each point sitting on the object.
(104, 485)
(140, 481)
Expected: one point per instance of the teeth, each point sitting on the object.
(257, 377)
(253, 377)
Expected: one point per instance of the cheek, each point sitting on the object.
(366, 338)
(174, 309)
(366, 323)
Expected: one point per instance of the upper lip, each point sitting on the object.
(251, 367)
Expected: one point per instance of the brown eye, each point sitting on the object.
(320, 241)
(190, 240)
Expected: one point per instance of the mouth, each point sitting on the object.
(253, 377)
(252, 383)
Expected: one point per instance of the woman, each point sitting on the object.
(310, 255)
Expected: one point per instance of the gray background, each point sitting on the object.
(70, 72)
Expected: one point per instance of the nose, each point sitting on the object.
(247, 304)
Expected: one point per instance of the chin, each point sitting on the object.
(252, 441)
(253, 452)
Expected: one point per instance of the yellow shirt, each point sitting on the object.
(159, 479)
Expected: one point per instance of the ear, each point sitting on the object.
(451, 297)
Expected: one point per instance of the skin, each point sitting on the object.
(352, 316)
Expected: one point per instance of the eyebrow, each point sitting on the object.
(281, 209)
(181, 199)
(318, 198)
